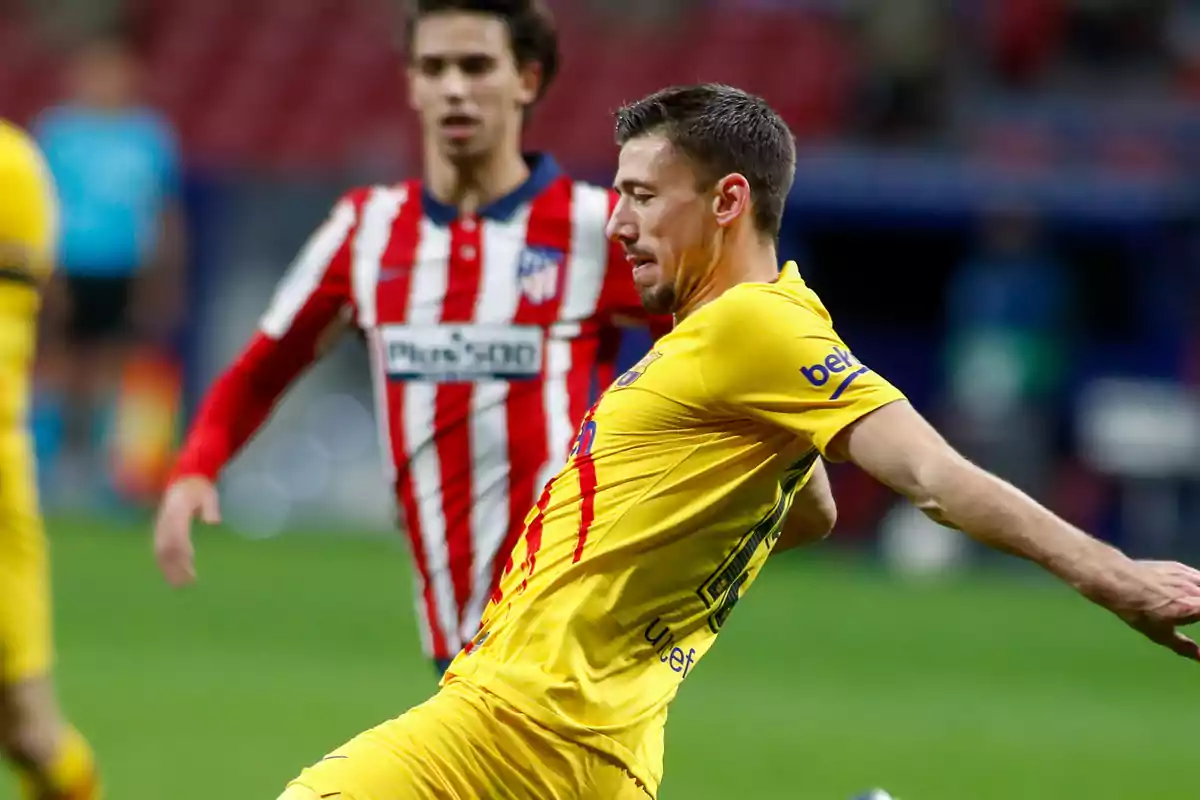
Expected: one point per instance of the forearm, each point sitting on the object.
(958, 494)
(235, 408)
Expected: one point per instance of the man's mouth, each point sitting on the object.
(458, 126)
(641, 265)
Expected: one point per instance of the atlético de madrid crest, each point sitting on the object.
(537, 271)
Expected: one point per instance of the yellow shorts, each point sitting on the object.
(466, 744)
(25, 638)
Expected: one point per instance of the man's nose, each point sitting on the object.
(454, 83)
(619, 227)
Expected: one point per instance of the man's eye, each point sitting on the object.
(477, 65)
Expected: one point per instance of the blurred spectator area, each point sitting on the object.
(318, 83)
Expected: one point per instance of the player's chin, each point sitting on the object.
(657, 299)
(461, 148)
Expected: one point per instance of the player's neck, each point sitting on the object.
(752, 260)
(469, 186)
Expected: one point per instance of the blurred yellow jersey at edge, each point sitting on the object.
(673, 496)
(28, 234)
(28, 207)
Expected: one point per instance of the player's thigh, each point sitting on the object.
(535, 762)
(465, 743)
(25, 614)
(405, 757)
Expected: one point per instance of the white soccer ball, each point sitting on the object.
(875, 794)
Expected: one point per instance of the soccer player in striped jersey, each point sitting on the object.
(52, 759)
(685, 476)
(488, 296)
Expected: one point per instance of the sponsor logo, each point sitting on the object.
(537, 272)
(840, 366)
(462, 353)
(662, 639)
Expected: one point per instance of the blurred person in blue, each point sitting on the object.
(1009, 321)
(117, 165)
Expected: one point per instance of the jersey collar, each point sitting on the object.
(543, 170)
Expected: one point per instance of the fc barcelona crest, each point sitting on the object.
(537, 272)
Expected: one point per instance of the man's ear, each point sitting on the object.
(731, 198)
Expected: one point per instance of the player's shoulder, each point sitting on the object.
(559, 194)
(580, 208)
(591, 191)
(357, 198)
(786, 302)
(589, 186)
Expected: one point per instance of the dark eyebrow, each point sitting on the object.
(453, 56)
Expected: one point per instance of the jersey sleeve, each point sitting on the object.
(309, 299)
(772, 357)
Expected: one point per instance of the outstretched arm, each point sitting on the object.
(899, 448)
(308, 310)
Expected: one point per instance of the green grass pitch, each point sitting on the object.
(830, 678)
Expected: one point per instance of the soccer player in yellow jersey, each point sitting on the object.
(52, 759)
(684, 476)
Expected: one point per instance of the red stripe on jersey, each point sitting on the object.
(497, 592)
(533, 534)
(391, 296)
(452, 411)
(549, 226)
(587, 487)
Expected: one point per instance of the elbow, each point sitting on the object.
(934, 509)
(934, 483)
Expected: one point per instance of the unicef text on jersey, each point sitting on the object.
(462, 353)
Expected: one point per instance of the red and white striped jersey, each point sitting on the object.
(485, 332)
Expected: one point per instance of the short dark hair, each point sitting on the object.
(722, 130)
(531, 28)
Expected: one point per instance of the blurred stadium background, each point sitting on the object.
(997, 201)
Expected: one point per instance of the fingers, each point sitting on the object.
(1189, 611)
(175, 558)
(1183, 646)
(210, 509)
(185, 500)
(173, 546)
(1175, 569)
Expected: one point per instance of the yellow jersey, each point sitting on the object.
(673, 496)
(28, 232)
